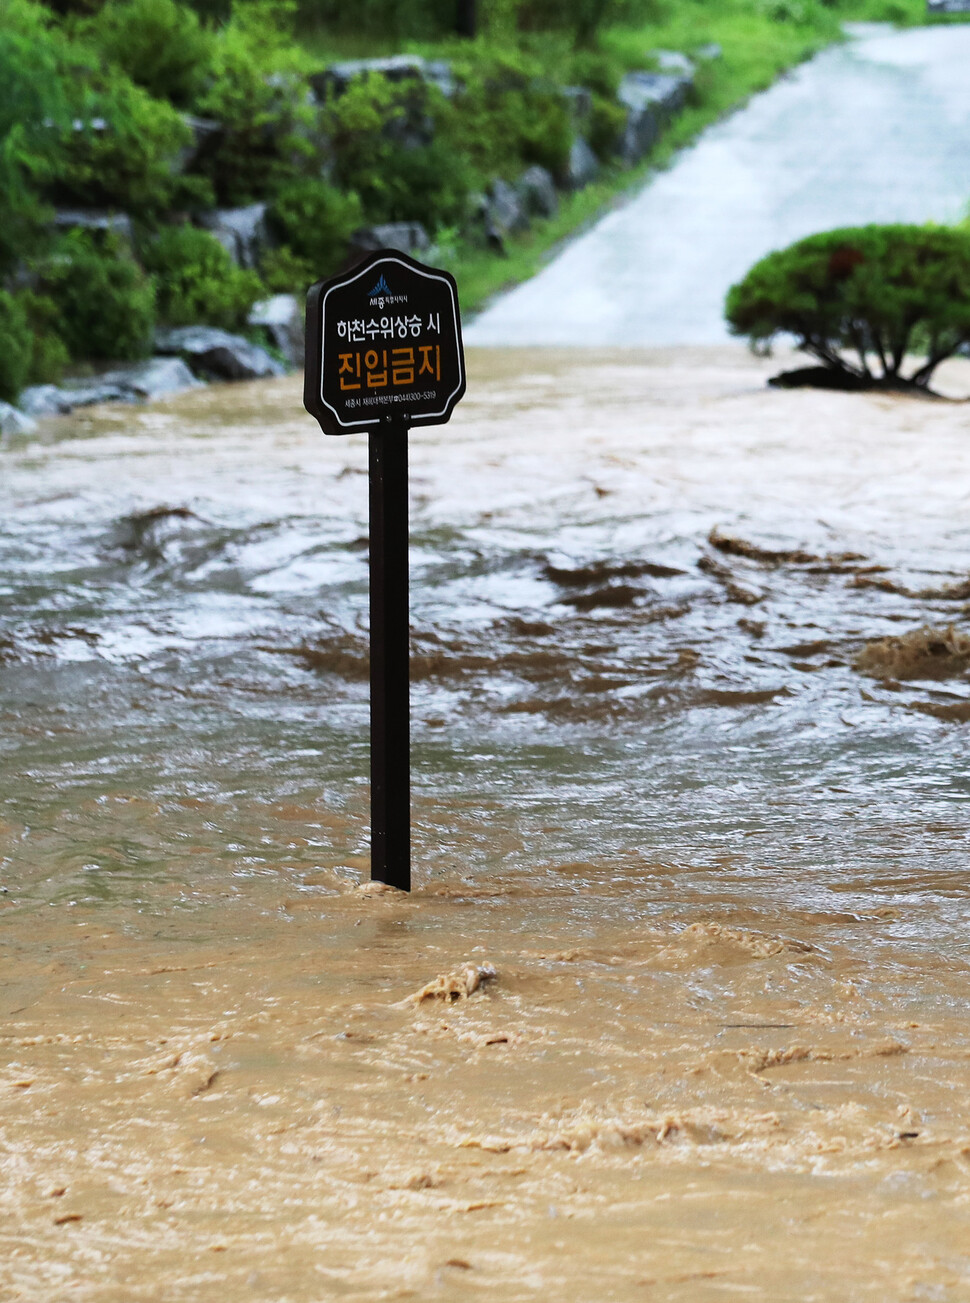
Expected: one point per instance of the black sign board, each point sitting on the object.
(383, 346)
(383, 352)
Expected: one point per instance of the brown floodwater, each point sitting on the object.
(678, 1007)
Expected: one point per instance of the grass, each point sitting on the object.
(760, 40)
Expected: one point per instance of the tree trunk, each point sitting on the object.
(466, 19)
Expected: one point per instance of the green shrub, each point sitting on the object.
(388, 19)
(49, 354)
(314, 221)
(16, 347)
(393, 146)
(605, 127)
(508, 113)
(196, 279)
(581, 18)
(860, 299)
(160, 44)
(257, 90)
(105, 302)
(596, 71)
(32, 97)
(123, 149)
(285, 272)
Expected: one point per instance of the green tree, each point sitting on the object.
(196, 279)
(160, 44)
(106, 301)
(33, 108)
(863, 299)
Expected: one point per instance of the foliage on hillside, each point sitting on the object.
(862, 300)
(164, 109)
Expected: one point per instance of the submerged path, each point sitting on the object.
(877, 130)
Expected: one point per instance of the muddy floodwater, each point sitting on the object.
(678, 1007)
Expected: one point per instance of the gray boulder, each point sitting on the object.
(537, 192)
(332, 82)
(242, 231)
(437, 72)
(14, 421)
(664, 91)
(281, 318)
(159, 377)
(504, 212)
(205, 133)
(583, 167)
(409, 237)
(135, 382)
(651, 99)
(673, 61)
(216, 354)
(43, 400)
(710, 52)
(92, 219)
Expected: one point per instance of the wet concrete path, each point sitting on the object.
(877, 130)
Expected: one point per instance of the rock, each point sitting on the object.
(504, 212)
(159, 377)
(205, 133)
(14, 421)
(438, 73)
(673, 61)
(134, 382)
(662, 90)
(282, 320)
(92, 219)
(87, 392)
(650, 98)
(583, 165)
(639, 133)
(579, 100)
(409, 237)
(242, 231)
(537, 192)
(213, 353)
(710, 52)
(43, 400)
(332, 82)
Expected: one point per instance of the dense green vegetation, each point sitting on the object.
(165, 109)
(862, 300)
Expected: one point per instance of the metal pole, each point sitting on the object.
(390, 717)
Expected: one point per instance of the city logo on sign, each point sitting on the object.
(381, 296)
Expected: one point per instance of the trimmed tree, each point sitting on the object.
(862, 301)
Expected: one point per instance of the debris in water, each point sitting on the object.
(598, 572)
(797, 556)
(956, 712)
(734, 591)
(611, 595)
(945, 593)
(456, 986)
(376, 888)
(925, 653)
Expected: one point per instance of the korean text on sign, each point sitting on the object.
(398, 367)
(360, 331)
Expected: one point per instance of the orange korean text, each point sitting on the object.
(397, 368)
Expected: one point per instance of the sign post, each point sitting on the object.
(384, 353)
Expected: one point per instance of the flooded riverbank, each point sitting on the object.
(719, 870)
(875, 130)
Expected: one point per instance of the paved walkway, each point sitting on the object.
(877, 130)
